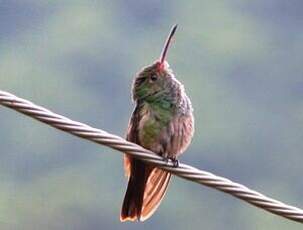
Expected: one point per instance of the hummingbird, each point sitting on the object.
(162, 122)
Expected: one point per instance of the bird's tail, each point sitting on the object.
(145, 191)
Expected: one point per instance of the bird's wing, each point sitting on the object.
(132, 136)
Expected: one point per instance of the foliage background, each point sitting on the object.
(241, 63)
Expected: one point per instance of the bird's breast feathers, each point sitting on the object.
(163, 132)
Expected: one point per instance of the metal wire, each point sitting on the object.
(118, 143)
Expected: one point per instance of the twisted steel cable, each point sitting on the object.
(185, 171)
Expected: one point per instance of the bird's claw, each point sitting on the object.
(175, 162)
(172, 160)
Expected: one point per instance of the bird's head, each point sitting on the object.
(157, 79)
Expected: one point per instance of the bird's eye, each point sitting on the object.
(153, 78)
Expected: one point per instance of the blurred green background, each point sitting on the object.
(241, 64)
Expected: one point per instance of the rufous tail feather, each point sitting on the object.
(145, 191)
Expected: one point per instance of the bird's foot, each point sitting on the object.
(175, 162)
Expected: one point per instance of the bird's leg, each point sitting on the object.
(175, 162)
(173, 159)
(166, 158)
